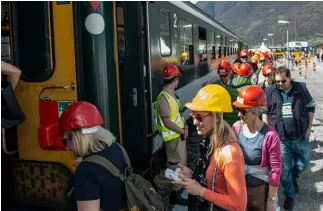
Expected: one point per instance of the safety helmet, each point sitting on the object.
(235, 67)
(255, 59)
(80, 115)
(245, 70)
(251, 97)
(267, 69)
(264, 56)
(213, 98)
(224, 68)
(243, 53)
(258, 53)
(184, 54)
(170, 70)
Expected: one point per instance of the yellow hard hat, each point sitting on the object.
(255, 59)
(258, 53)
(183, 54)
(213, 98)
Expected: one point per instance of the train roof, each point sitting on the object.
(197, 12)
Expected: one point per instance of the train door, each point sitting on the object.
(134, 80)
(40, 42)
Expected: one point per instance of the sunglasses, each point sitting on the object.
(243, 111)
(282, 81)
(200, 118)
(66, 139)
(244, 57)
(223, 76)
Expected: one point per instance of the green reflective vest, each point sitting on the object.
(175, 116)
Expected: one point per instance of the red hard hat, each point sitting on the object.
(251, 97)
(170, 70)
(264, 56)
(243, 53)
(245, 70)
(267, 69)
(80, 115)
(224, 68)
(235, 67)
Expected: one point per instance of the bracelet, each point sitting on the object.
(272, 198)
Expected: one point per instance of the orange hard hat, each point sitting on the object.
(267, 69)
(235, 67)
(224, 68)
(245, 70)
(170, 70)
(243, 53)
(80, 115)
(251, 97)
(264, 56)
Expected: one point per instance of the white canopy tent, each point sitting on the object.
(264, 48)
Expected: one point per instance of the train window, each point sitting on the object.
(226, 53)
(211, 45)
(202, 44)
(186, 42)
(164, 33)
(219, 43)
(32, 35)
(121, 34)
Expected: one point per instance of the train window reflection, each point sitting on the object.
(164, 33)
(186, 42)
(211, 44)
(202, 44)
(121, 34)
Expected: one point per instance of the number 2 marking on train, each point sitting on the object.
(175, 20)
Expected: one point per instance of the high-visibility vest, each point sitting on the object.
(175, 116)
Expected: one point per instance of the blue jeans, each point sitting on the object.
(296, 159)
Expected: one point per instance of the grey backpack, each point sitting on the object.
(141, 195)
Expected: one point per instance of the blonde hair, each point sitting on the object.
(85, 144)
(222, 133)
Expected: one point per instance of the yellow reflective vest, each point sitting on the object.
(175, 116)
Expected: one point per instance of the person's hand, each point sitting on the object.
(185, 171)
(185, 133)
(191, 185)
(308, 133)
(270, 205)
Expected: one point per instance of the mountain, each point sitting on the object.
(252, 21)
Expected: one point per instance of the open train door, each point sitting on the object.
(134, 94)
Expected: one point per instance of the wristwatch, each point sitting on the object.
(272, 198)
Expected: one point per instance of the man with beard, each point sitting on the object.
(170, 124)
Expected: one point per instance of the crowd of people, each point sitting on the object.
(254, 123)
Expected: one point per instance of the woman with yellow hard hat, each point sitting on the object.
(218, 180)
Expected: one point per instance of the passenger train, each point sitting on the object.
(108, 53)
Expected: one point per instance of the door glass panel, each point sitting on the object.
(164, 33)
(186, 40)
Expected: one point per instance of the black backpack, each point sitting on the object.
(141, 195)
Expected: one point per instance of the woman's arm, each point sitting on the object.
(275, 158)
(93, 205)
(236, 200)
(12, 72)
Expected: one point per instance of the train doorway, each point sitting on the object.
(136, 114)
